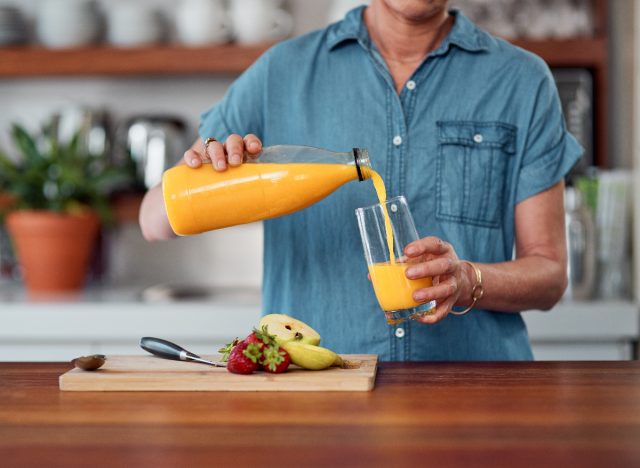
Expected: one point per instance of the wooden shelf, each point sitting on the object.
(95, 61)
(584, 52)
(232, 59)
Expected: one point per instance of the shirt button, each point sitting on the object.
(477, 138)
(411, 85)
(397, 140)
(399, 332)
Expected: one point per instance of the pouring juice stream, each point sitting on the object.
(393, 289)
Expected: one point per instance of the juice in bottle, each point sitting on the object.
(282, 180)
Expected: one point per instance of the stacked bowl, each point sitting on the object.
(68, 23)
(13, 26)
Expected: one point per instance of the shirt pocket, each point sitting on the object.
(471, 171)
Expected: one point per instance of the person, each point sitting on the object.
(467, 126)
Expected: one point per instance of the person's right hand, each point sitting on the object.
(231, 152)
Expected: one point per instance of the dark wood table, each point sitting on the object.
(421, 414)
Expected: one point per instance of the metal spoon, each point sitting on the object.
(89, 363)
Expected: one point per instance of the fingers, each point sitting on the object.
(435, 267)
(192, 158)
(231, 152)
(252, 144)
(442, 310)
(215, 153)
(427, 245)
(445, 289)
(235, 149)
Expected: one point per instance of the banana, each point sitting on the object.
(311, 357)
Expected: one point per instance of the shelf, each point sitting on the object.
(95, 61)
(584, 52)
(232, 59)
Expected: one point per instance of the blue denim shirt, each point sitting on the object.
(477, 129)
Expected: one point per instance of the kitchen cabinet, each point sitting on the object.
(594, 330)
(112, 321)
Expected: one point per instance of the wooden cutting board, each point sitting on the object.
(149, 373)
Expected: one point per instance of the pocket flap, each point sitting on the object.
(478, 134)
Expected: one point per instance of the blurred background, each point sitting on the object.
(129, 79)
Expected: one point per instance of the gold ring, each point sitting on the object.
(206, 146)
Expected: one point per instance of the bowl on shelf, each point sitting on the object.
(13, 26)
(67, 23)
(134, 24)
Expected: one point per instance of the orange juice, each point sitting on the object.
(392, 287)
(199, 200)
(381, 191)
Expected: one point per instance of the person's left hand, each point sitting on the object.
(435, 258)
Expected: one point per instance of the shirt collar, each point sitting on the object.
(463, 34)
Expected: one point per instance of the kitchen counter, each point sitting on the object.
(111, 320)
(441, 414)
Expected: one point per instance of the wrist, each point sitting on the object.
(474, 289)
(468, 280)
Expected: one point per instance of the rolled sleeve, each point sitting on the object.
(550, 150)
(241, 110)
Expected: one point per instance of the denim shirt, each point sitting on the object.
(477, 128)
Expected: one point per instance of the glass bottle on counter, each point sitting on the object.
(581, 247)
(280, 180)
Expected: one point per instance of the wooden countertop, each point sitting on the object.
(436, 414)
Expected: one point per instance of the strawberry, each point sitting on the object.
(244, 358)
(261, 337)
(275, 359)
(226, 350)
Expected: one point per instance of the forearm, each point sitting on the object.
(153, 216)
(534, 282)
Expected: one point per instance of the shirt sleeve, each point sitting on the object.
(241, 110)
(550, 151)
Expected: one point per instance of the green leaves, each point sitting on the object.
(26, 145)
(226, 350)
(59, 176)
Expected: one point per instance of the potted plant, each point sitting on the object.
(58, 196)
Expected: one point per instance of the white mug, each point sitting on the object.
(67, 23)
(256, 21)
(133, 24)
(201, 22)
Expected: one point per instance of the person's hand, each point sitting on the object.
(436, 258)
(231, 152)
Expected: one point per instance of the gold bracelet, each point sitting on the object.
(476, 292)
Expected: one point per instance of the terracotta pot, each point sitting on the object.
(6, 201)
(53, 249)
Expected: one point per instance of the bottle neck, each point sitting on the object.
(362, 163)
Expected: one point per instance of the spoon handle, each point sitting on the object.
(166, 349)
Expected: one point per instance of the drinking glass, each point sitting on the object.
(393, 289)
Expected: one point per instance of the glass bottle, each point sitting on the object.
(280, 180)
